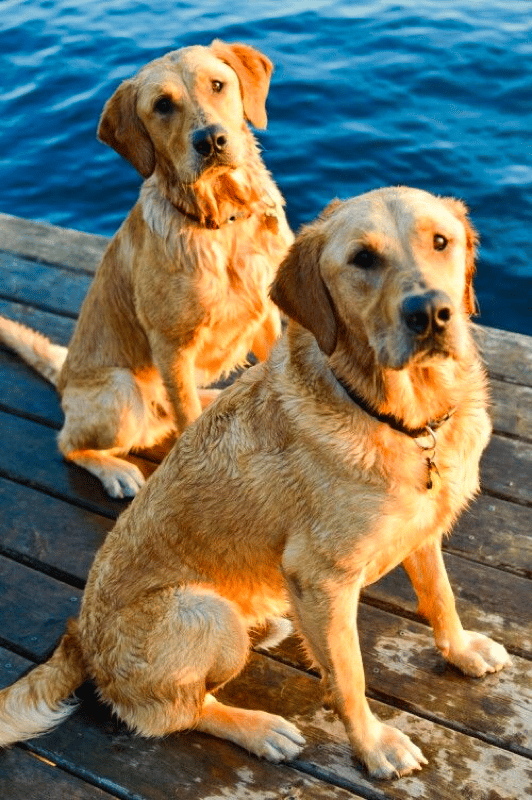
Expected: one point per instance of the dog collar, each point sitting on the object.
(391, 420)
(209, 222)
(433, 481)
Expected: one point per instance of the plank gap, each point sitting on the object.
(39, 566)
(335, 780)
(444, 722)
(32, 417)
(66, 498)
(518, 501)
(82, 774)
(54, 265)
(516, 437)
(448, 548)
(17, 650)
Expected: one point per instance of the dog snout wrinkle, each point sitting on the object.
(211, 140)
(427, 312)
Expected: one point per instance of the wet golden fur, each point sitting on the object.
(286, 496)
(174, 303)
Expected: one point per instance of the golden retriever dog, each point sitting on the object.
(181, 296)
(350, 450)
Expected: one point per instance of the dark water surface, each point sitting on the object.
(431, 94)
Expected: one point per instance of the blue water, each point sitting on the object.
(431, 94)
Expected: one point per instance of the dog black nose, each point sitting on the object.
(425, 312)
(207, 141)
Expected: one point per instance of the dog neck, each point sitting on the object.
(389, 419)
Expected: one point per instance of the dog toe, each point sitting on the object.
(393, 755)
(122, 482)
(274, 738)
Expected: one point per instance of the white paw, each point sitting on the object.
(122, 481)
(273, 737)
(478, 655)
(392, 755)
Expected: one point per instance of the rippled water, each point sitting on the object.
(431, 94)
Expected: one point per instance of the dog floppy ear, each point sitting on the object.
(459, 209)
(121, 128)
(299, 289)
(254, 71)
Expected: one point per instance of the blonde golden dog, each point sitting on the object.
(351, 450)
(181, 296)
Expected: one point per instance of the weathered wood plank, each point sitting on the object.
(42, 285)
(46, 531)
(24, 775)
(495, 532)
(491, 601)
(33, 608)
(51, 244)
(29, 455)
(24, 392)
(507, 469)
(57, 328)
(12, 666)
(507, 355)
(510, 409)
(293, 696)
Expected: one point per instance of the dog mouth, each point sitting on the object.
(408, 350)
(209, 167)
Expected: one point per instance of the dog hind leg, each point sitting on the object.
(182, 645)
(108, 418)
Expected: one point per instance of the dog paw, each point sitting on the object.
(123, 481)
(478, 655)
(392, 755)
(273, 737)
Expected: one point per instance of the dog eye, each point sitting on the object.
(217, 86)
(440, 241)
(163, 105)
(365, 259)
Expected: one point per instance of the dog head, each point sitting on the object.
(392, 268)
(185, 112)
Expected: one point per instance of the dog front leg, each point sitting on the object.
(177, 367)
(473, 653)
(326, 617)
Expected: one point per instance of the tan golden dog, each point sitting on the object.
(181, 295)
(352, 449)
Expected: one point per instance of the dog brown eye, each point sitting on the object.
(163, 105)
(365, 259)
(217, 86)
(440, 241)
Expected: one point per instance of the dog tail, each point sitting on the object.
(38, 701)
(38, 351)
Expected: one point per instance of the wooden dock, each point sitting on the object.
(477, 734)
